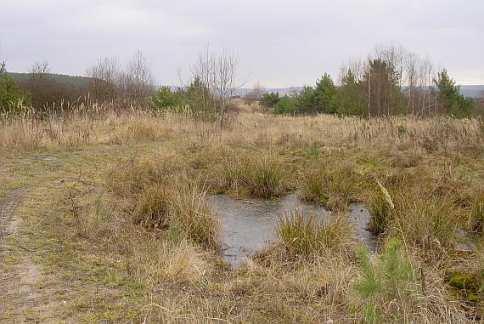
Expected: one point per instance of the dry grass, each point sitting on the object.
(303, 235)
(334, 186)
(124, 220)
(258, 175)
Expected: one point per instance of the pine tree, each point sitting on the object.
(451, 101)
(325, 95)
(350, 98)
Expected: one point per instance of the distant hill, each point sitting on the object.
(82, 83)
(79, 82)
(472, 91)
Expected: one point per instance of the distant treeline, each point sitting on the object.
(45, 92)
(391, 81)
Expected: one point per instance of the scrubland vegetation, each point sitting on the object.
(118, 220)
(118, 207)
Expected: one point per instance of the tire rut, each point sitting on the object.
(7, 215)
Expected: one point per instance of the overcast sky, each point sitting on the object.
(279, 43)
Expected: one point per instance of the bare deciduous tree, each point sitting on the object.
(138, 80)
(255, 93)
(39, 70)
(217, 73)
(110, 82)
(104, 75)
(3, 61)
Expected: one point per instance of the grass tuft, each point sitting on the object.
(265, 178)
(303, 235)
(330, 186)
(381, 207)
(477, 215)
(258, 177)
(191, 215)
(153, 207)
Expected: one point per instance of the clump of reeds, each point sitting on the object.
(152, 208)
(381, 207)
(161, 200)
(425, 222)
(256, 176)
(334, 187)
(476, 219)
(304, 235)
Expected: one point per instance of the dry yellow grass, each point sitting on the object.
(85, 175)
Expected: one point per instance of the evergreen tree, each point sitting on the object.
(166, 98)
(381, 83)
(451, 101)
(270, 99)
(305, 101)
(325, 95)
(350, 97)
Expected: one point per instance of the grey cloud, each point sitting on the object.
(279, 43)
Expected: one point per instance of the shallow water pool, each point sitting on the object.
(250, 225)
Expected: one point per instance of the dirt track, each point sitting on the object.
(17, 293)
(7, 215)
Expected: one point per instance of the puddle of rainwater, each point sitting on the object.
(250, 225)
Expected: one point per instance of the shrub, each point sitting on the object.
(174, 204)
(12, 98)
(270, 99)
(303, 235)
(286, 105)
(50, 93)
(129, 178)
(231, 175)
(165, 98)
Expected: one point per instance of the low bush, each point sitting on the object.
(12, 98)
(159, 198)
(270, 100)
(130, 178)
(286, 105)
(264, 178)
(166, 98)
